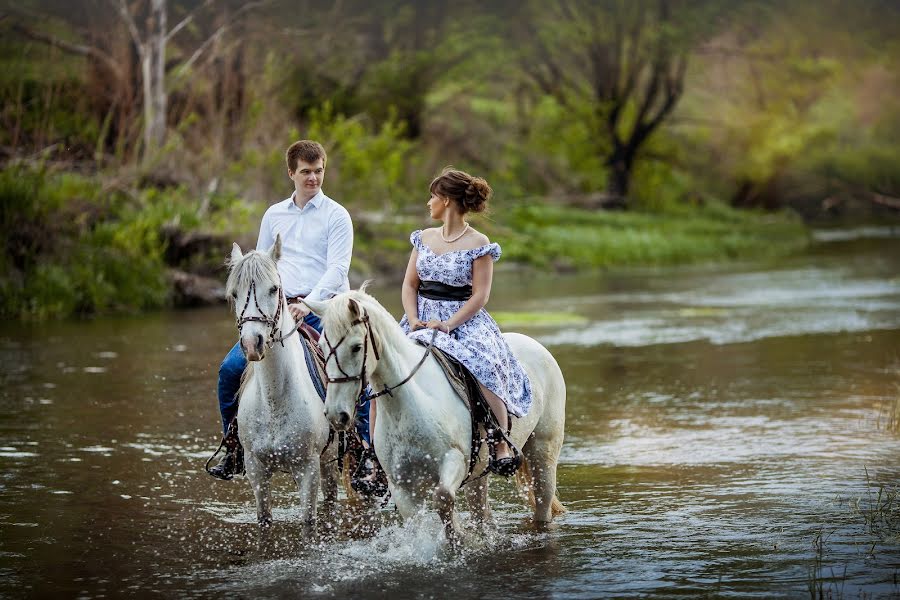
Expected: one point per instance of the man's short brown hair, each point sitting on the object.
(305, 150)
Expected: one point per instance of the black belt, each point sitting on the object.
(435, 290)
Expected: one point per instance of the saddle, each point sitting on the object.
(485, 427)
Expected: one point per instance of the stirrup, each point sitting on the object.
(506, 466)
(231, 464)
(369, 480)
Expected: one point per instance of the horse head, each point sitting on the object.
(254, 289)
(351, 355)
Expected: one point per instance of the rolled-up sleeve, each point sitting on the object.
(337, 258)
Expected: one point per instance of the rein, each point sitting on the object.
(361, 377)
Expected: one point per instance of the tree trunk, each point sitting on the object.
(153, 64)
(620, 165)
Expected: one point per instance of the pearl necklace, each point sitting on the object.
(446, 241)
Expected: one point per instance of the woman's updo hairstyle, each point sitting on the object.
(470, 193)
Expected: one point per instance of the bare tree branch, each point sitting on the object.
(217, 34)
(186, 21)
(80, 49)
(131, 25)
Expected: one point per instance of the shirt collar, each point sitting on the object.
(315, 200)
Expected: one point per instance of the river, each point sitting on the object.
(731, 431)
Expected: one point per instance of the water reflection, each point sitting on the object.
(718, 424)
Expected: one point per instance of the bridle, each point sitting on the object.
(361, 376)
(271, 322)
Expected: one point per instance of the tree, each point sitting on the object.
(618, 66)
(146, 22)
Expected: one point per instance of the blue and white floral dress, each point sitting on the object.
(477, 343)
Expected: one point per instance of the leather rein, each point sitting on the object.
(361, 377)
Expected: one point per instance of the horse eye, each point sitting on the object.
(274, 289)
(234, 295)
(356, 348)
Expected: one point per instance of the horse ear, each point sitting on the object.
(353, 305)
(316, 306)
(275, 250)
(236, 253)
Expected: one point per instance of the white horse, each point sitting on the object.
(423, 433)
(281, 421)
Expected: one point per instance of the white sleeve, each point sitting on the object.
(265, 239)
(337, 259)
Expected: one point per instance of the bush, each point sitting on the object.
(72, 250)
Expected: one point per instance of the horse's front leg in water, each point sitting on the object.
(453, 471)
(307, 475)
(259, 477)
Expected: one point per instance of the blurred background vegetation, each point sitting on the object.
(140, 137)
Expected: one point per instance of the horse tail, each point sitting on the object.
(525, 483)
(556, 507)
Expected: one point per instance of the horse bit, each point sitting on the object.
(272, 323)
(361, 377)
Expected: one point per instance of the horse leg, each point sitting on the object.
(542, 457)
(329, 474)
(477, 497)
(307, 475)
(259, 477)
(444, 496)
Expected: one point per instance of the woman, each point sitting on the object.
(447, 284)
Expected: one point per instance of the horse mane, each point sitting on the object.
(338, 311)
(252, 266)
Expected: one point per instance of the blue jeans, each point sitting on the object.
(232, 368)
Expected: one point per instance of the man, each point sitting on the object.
(316, 244)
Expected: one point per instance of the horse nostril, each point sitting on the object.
(259, 343)
(345, 418)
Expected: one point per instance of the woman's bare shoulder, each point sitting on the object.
(432, 234)
(478, 238)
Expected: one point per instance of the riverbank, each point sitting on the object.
(80, 246)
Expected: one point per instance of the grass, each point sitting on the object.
(556, 236)
(880, 511)
(889, 413)
(514, 320)
(549, 236)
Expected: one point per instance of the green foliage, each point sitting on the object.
(73, 249)
(368, 164)
(563, 149)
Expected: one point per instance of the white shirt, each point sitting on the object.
(316, 244)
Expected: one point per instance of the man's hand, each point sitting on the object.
(298, 311)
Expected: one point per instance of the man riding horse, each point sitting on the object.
(317, 242)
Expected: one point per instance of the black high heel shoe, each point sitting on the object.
(506, 466)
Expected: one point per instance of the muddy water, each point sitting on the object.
(729, 431)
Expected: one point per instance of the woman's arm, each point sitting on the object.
(482, 276)
(409, 293)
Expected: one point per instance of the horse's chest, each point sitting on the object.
(409, 467)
